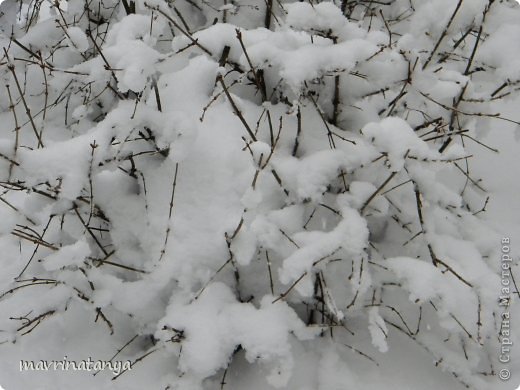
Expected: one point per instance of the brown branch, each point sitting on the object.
(22, 96)
(284, 294)
(443, 34)
(99, 313)
(237, 111)
(174, 186)
(183, 31)
(374, 194)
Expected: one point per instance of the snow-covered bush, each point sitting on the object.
(280, 183)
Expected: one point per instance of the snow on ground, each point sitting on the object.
(412, 371)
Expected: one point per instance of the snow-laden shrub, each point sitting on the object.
(266, 182)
